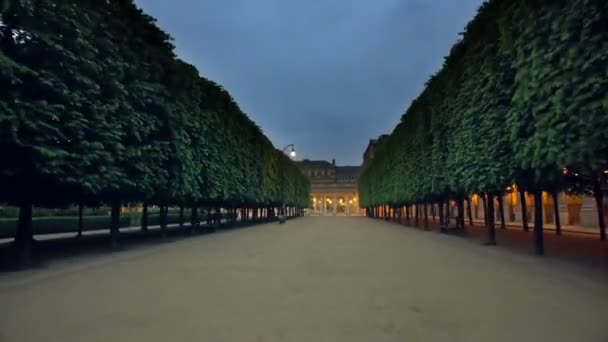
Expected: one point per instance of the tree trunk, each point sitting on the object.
(208, 218)
(24, 237)
(441, 214)
(114, 225)
(449, 212)
(558, 223)
(599, 202)
(181, 217)
(469, 211)
(80, 220)
(485, 209)
(217, 219)
(416, 214)
(163, 220)
(426, 217)
(524, 210)
(501, 207)
(491, 226)
(539, 245)
(411, 213)
(194, 221)
(461, 212)
(144, 217)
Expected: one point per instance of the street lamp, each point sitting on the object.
(292, 154)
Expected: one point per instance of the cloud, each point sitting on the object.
(327, 75)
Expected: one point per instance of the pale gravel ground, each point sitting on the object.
(315, 279)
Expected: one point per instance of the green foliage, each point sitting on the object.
(61, 224)
(97, 109)
(520, 97)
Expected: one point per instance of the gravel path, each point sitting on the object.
(314, 279)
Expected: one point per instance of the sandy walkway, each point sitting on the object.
(312, 280)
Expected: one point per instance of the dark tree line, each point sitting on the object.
(521, 99)
(95, 109)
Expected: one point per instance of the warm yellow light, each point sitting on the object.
(475, 199)
(351, 201)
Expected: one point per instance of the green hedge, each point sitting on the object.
(13, 212)
(57, 224)
(54, 225)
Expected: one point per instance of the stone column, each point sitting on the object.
(323, 205)
(348, 205)
(335, 203)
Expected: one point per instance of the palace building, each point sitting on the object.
(333, 188)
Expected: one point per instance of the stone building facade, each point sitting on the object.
(372, 147)
(575, 211)
(333, 188)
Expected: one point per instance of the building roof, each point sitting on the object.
(308, 162)
(347, 171)
(374, 143)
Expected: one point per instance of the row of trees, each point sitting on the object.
(96, 109)
(521, 99)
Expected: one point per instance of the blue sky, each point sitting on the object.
(325, 75)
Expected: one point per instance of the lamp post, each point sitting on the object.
(292, 154)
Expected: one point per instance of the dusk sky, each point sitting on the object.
(324, 75)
